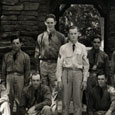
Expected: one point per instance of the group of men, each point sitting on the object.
(65, 65)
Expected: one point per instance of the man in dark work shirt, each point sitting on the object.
(102, 98)
(99, 63)
(36, 98)
(15, 70)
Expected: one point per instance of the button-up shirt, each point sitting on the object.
(101, 61)
(20, 65)
(49, 49)
(72, 59)
(104, 102)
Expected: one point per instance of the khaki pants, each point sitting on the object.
(15, 84)
(45, 111)
(72, 80)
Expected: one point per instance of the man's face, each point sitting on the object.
(36, 81)
(50, 23)
(73, 35)
(16, 44)
(96, 43)
(101, 80)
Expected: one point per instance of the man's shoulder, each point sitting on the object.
(44, 87)
(27, 89)
(81, 45)
(64, 46)
(103, 53)
(59, 34)
(25, 54)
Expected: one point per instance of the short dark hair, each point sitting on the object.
(96, 37)
(73, 27)
(34, 73)
(50, 16)
(13, 37)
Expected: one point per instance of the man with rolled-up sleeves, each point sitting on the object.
(72, 71)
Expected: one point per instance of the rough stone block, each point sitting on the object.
(30, 13)
(9, 28)
(15, 8)
(10, 2)
(27, 18)
(31, 6)
(4, 12)
(9, 18)
(8, 22)
(28, 23)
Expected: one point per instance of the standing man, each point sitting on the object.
(113, 67)
(15, 70)
(102, 98)
(36, 98)
(72, 71)
(47, 49)
(99, 64)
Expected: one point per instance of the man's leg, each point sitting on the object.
(18, 86)
(77, 92)
(10, 89)
(44, 72)
(67, 90)
(91, 82)
(46, 111)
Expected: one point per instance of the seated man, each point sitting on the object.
(4, 101)
(102, 98)
(36, 98)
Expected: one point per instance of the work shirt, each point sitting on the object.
(48, 48)
(72, 59)
(38, 98)
(100, 60)
(102, 99)
(20, 65)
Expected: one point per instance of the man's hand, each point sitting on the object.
(84, 85)
(59, 84)
(32, 110)
(109, 112)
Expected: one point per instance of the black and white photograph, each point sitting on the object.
(57, 57)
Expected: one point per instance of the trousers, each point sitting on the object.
(45, 111)
(14, 85)
(72, 81)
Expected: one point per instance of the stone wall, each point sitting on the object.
(24, 17)
(111, 38)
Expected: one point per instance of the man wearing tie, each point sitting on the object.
(15, 70)
(47, 49)
(72, 71)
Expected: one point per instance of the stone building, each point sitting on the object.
(26, 17)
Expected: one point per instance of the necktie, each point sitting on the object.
(14, 56)
(50, 36)
(73, 47)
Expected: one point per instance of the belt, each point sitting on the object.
(16, 73)
(50, 61)
(72, 68)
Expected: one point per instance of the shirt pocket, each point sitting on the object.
(78, 57)
(68, 60)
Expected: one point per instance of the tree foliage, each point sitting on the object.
(86, 17)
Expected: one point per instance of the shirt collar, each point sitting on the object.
(12, 52)
(52, 32)
(76, 44)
